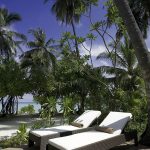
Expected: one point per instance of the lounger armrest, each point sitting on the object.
(83, 130)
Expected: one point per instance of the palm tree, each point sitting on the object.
(141, 12)
(8, 42)
(125, 75)
(141, 52)
(66, 11)
(40, 53)
(125, 59)
(39, 61)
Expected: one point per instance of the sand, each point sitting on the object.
(9, 126)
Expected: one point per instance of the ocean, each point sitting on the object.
(22, 104)
(37, 106)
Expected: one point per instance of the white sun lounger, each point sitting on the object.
(94, 140)
(41, 136)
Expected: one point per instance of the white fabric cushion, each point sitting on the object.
(117, 121)
(88, 117)
(79, 140)
(53, 130)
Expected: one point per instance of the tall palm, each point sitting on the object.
(125, 59)
(40, 53)
(141, 12)
(39, 61)
(66, 12)
(8, 42)
(141, 52)
(125, 75)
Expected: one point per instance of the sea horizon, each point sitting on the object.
(36, 105)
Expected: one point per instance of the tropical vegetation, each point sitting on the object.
(56, 72)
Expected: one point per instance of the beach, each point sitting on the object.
(9, 126)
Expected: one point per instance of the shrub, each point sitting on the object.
(19, 139)
(27, 110)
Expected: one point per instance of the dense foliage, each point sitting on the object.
(56, 72)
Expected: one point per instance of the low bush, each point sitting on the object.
(19, 139)
(27, 110)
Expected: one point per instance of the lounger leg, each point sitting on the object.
(50, 147)
(47, 147)
(30, 143)
(134, 136)
(136, 139)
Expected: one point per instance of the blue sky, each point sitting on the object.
(35, 13)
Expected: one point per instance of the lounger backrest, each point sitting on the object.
(117, 121)
(88, 117)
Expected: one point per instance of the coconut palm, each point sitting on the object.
(66, 12)
(40, 53)
(39, 61)
(141, 52)
(8, 42)
(125, 75)
(141, 12)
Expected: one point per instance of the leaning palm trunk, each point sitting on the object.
(141, 52)
(76, 43)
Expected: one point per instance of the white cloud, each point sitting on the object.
(13, 28)
(27, 98)
(98, 63)
(96, 49)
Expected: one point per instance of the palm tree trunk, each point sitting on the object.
(142, 55)
(2, 99)
(76, 43)
(82, 103)
(16, 105)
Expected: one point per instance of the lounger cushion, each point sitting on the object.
(79, 140)
(117, 121)
(80, 125)
(87, 117)
(53, 130)
(104, 129)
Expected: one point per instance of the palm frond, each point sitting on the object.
(104, 56)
